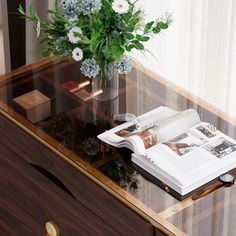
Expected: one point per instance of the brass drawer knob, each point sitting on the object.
(52, 229)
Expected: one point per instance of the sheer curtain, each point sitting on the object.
(198, 52)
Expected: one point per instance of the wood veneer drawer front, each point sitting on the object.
(28, 200)
(95, 198)
(159, 233)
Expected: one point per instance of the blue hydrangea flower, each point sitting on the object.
(90, 6)
(124, 66)
(90, 68)
(71, 9)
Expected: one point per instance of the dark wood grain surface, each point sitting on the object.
(96, 199)
(159, 233)
(28, 200)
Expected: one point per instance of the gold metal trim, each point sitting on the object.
(52, 228)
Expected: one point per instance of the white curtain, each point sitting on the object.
(198, 52)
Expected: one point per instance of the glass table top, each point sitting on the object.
(71, 125)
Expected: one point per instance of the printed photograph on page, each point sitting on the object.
(148, 136)
(205, 131)
(220, 147)
(124, 133)
(185, 143)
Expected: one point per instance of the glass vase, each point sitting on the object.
(108, 81)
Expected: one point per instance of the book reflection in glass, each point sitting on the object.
(185, 143)
(148, 136)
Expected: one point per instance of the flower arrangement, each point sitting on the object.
(96, 32)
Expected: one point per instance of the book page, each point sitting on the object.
(152, 132)
(177, 124)
(183, 145)
(131, 136)
(196, 154)
(152, 128)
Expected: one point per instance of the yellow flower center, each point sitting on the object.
(120, 5)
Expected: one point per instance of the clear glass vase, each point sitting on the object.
(108, 82)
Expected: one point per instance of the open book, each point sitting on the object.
(175, 149)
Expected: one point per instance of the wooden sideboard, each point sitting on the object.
(37, 186)
(56, 170)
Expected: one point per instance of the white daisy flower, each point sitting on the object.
(77, 54)
(72, 37)
(120, 6)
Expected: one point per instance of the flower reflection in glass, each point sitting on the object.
(91, 146)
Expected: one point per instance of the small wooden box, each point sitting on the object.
(34, 105)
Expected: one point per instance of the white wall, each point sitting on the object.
(162, 46)
(33, 48)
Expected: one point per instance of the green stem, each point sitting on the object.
(103, 75)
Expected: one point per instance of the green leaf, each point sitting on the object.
(130, 29)
(46, 53)
(92, 48)
(62, 18)
(138, 45)
(128, 48)
(51, 11)
(136, 14)
(94, 36)
(56, 6)
(21, 10)
(162, 25)
(156, 30)
(99, 44)
(115, 34)
(145, 38)
(122, 50)
(142, 38)
(138, 37)
(121, 25)
(81, 36)
(127, 17)
(98, 24)
(135, 21)
(148, 26)
(32, 13)
(44, 40)
(132, 46)
(129, 36)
